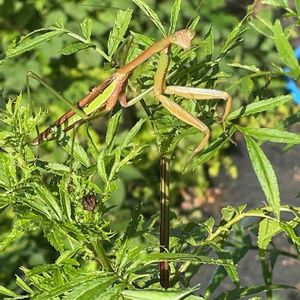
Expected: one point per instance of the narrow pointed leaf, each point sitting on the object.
(151, 14)
(112, 127)
(159, 294)
(30, 44)
(86, 28)
(265, 174)
(116, 35)
(7, 292)
(260, 106)
(273, 135)
(76, 47)
(267, 229)
(239, 293)
(284, 48)
(174, 15)
(132, 133)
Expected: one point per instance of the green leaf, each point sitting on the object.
(141, 39)
(194, 23)
(78, 284)
(239, 293)
(117, 33)
(156, 257)
(259, 106)
(174, 15)
(246, 87)
(7, 292)
(132, 133)
(281, 3)
(49, 201)
(284, 48)
(208, 43)
(289, 230)
(213, 149)
(14, 235)
(22, 284)
(86, 28)
(160, 294)
(267, 229)
(26, 45)
(112, 128)
(265, 174)
(101, 167)
(59, 168)
(93, 289)
(246, 67)
(297, 4)
(76, 47)
(151, 14)
(233, 39)
(273, 135)
(78, 152)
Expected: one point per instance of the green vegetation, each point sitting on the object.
(79, 217)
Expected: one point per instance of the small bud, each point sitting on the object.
(89, 202)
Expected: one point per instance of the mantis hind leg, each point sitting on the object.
(186, 117)
(201, 94)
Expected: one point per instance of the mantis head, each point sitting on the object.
(183, 38)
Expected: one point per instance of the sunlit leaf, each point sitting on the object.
(265, 174)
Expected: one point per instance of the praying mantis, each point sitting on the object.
(103, 97)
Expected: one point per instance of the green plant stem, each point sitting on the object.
(164, 218)
(101, 255)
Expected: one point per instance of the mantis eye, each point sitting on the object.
(183, 38)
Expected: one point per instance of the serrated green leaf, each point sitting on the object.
(239, 293)
(159, 294)
(57, 167)
(284, 48)
(273, 135)
(76, 283)
(93, 289)
(117, 33)
(155, 257)
(297, 4)
(141, 39)
(101, 167)
(259, 106)
(265, 174)
(76, 47)
(22, 284)
(195, 22)
(78, 152)
(26, 45)
(7, 292)
(112, 127)
(289, 230)
(86, 28)
(267, 229)
(151, 15)
(132, 133)
(246, 87)
(213, 149)
(208, 43)
(281, 3)
(233, 38)
(174, 15)
(49, 201)
(250, 68)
